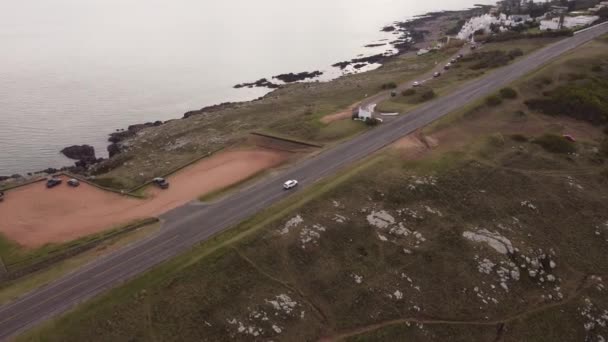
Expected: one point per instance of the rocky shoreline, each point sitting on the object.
(285, 78)
(409, 34)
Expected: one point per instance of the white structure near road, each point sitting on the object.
(569, 22)
(365, 113)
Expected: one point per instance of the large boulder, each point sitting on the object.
(79, 152)
(113, 149)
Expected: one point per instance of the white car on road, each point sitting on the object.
(416, 84)
(290, 184)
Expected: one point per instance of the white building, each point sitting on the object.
(366, 113)
(569, 22)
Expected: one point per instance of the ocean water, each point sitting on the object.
(73, 71)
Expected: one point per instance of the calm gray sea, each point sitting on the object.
(72, 71)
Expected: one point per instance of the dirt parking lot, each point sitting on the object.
(33, 215)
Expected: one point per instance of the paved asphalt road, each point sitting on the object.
(190, 224)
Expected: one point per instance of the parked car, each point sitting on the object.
(453, 60)
(393, 93)
(447, 66)
(73, 182)
(161, 182)
(416, 84)
(460, 56)
(53, 182)
(1, 196)
(437, 74)
(292, 183)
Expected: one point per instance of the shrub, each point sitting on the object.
(555, 144)
(604, 147)
(586, 101)
(487, 59)
(390, 85)
(519, 137)
(515, 53)
(496, 140)
(493, 100)
(510, 35)
(408, 92)
(456, 28)
(372, 121)
(427, 95)
(508, 93)
(604, 174)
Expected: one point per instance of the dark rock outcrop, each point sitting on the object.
(291, 77)
(259, 83)
(374, 45)
(211, 109)
(113, 149)
(79, 152)
(371, 59)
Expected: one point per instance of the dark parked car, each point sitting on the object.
(53, 182)
(161, 182)
(73, 182)
(437, 74)
(1, 196)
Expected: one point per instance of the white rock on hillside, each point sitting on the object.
(380, 219)
(498, 242)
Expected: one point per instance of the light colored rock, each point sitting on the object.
(291, 223)
(380, 219)
(498, 242)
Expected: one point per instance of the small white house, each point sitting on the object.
(364, 113)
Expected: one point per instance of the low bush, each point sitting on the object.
(604, 148)
(390, 85)
(508, 93)
(493, 101)
(604, 174)
(427, 94)
(586, 101)
(496, 140)
(491, 59)
(372, 121)
(515, 53)
(555, 143)
(510, 35)
(519, 137)
(456, 28)
(408, 92)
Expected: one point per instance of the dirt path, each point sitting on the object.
(583, 284)
(33, 215)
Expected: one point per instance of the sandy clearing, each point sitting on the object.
(33, 215)
(345, 114)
